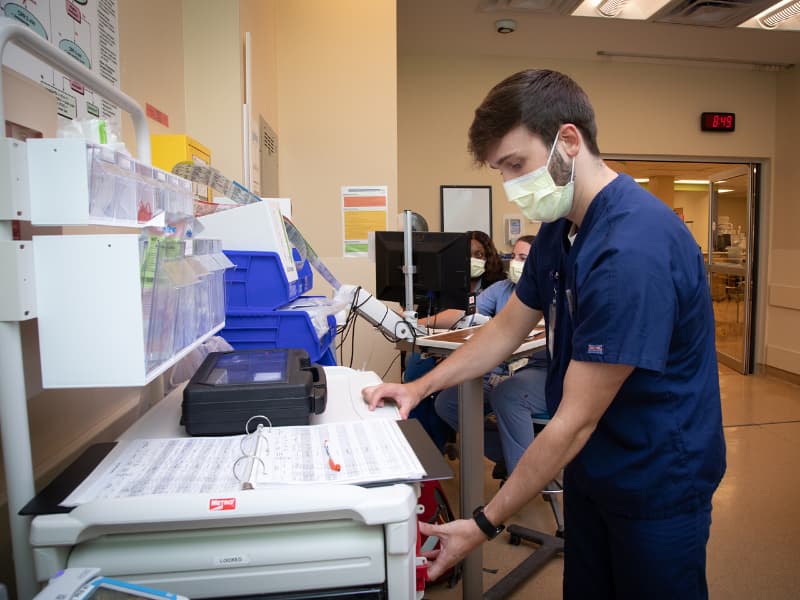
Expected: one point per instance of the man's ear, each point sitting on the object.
(570, 139)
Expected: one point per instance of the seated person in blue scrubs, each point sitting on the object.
(513, 400)
(632, 376)
(486, 268)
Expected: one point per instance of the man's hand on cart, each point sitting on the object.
(405, 395)
(457, 539)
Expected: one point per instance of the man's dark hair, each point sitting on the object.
(540, 99)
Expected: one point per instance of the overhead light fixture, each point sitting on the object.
(638, 10)
(611, 8)
(779, 14)
(692, 181)
(642, 180)
(724, 191)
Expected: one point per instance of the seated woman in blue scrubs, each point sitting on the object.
(513, 400)
(486, 268)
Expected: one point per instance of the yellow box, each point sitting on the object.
(169, 149)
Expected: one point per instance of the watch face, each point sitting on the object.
(491, 531)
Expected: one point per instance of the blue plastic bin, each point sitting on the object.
(258, 281)
(280, 329)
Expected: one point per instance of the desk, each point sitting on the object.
(470, 425)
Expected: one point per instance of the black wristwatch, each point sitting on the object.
(485, 525)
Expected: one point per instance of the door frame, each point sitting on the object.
(748, 269)
(758, 234)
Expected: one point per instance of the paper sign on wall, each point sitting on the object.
(364, 209)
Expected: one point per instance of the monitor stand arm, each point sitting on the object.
(408, 265)
(393, 325)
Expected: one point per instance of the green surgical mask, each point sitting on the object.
(538, 196)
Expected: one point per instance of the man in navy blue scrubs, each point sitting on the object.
(632, 379)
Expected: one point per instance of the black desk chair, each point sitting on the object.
(548, 546)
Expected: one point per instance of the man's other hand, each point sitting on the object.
(457, 539)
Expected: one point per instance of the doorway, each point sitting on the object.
(731, 265)
(718, 202)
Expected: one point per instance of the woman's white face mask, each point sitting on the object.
(477, 267)
(538, 196)
(515, 270)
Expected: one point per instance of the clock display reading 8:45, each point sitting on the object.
(717, 121)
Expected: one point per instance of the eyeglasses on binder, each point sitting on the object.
(254, 444)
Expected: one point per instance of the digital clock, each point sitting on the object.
(717, 121)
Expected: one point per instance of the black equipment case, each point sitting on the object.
(230, 387)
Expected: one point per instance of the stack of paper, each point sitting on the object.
(355, 452)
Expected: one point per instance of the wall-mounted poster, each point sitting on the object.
(364, 210)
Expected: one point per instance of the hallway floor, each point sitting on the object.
(755, 533)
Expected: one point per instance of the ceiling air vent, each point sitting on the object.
(550, 7)
(710, 13)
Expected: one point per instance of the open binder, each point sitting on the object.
(351, 452)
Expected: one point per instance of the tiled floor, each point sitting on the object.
(754, 550)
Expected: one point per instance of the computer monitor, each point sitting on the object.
(723, 241)
(442, 262)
